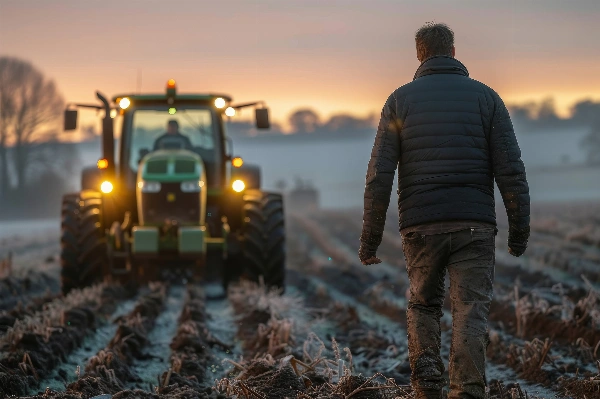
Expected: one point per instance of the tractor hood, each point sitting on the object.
(171, 166)
(171, 189)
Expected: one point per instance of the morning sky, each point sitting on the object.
(332, 56)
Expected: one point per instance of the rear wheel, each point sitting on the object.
(83, 244)
(262, 254)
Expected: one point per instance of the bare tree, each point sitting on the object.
(6, 116)
(304, 121)
(31, 109)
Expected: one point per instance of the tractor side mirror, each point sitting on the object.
(262, 118)
(70, 119)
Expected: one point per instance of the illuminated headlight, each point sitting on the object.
(106, 187)
(192, 186)
(149, 186)
(124, 103)
(238, 186)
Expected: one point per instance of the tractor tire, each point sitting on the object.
(262, 255)
(83, 244)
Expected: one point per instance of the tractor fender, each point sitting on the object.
(249, 174)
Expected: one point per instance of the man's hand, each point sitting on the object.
(516, 250)
(371, 261)
(367, 255)
(517, 241)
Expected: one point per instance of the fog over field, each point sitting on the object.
(336, 166)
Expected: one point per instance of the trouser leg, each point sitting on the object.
(426, 259)
(471, 270)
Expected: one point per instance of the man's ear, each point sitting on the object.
(453, 51)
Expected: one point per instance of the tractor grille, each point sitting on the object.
(185, 166)
(158, 166)
(171, 204)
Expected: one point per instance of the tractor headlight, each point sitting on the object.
(106, 187)
(238, 186)
(192, 186)
(149, 186)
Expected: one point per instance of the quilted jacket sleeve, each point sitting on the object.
(509, 172)
(380, 178)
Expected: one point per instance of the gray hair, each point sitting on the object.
(434, 39)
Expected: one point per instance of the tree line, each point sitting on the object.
(33, 164)
(528, 117)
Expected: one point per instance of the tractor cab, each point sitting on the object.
(193, 123)
(174, 198)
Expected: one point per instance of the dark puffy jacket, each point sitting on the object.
(449, 136)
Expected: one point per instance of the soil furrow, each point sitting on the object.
(375, 342)
(19, 290)
(8, 318)
(222, 324)
(193, 364)
(283, 366)
(36, 345)
(154, 357)
(332, 241)
(113, 364)
(348, 230)
(315, 244)
(536, 362)
(537, 322)
(75, 362)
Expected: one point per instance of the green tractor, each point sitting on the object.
(173, 201)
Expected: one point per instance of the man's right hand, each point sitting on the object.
(367, 256)
(517, 241)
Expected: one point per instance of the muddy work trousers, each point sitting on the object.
(468, 256)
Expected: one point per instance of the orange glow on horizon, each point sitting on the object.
(326, 58)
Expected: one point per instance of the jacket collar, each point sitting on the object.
(441, 64)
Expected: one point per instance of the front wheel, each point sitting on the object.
(262, 254)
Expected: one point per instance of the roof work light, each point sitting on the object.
(220, 102)
(124, 103)
(171, 88)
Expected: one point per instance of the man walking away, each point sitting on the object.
(450, 136)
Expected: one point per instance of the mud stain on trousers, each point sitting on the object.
(468, 257)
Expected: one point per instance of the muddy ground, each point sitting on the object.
(339, 331)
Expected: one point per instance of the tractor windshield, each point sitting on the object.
(153, 130)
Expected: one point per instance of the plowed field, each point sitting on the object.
(338, 331)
